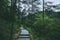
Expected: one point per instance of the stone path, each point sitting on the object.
(24, 35)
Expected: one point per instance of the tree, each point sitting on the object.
(50, 31)
(51, 10)
(8, 19)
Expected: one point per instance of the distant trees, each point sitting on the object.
(51, 9)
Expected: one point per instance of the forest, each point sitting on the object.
(42, 23)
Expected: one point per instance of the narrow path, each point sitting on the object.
(24, 35)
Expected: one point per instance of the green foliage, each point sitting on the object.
(49, 30)
(7, 17)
